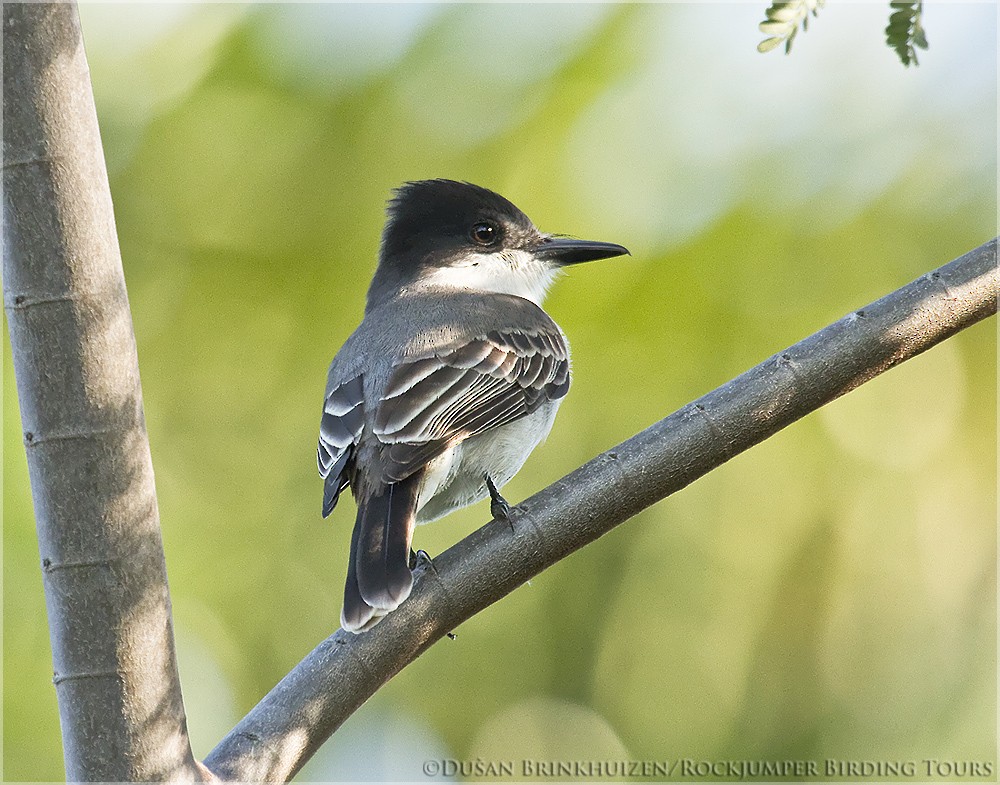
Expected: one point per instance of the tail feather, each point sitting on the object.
(356, 615)
(378, 575)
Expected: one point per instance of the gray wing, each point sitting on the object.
(339, 432)
(433, 402)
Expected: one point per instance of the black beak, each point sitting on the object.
(564, 250)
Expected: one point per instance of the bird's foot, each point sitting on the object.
(421, 560)
(500, 509)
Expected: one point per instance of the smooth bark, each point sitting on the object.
(77, 374)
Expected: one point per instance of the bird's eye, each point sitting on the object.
(484, 233)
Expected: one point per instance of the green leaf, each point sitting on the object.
(773, 28)
(783, 20)
(768, 44)
(789, 12)
(905, 31)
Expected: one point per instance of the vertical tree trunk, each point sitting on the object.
(77, 376)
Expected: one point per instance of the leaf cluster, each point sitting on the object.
(783, 20)
(905, 31)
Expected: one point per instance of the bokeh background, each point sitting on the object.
(830, 594)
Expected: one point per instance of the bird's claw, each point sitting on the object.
(500, 508)
(421, 560)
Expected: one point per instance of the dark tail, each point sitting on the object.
(378, 573)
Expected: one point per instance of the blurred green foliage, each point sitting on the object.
(830, 594)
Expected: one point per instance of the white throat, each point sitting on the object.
(508, 272)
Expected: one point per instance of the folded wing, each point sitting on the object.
(339, 432)
(433, 402)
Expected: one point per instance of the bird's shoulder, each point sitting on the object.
(427, 323)
(449, 320)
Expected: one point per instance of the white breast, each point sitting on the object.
(457, 479)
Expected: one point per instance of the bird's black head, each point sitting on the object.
(433, 221)
(464, 235)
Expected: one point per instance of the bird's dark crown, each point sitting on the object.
(431, 222)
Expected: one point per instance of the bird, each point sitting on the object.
(450, 381)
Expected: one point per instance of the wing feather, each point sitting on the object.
(420, 402)
(339, 431)
(432, 402)
(410, 375)
(470, 355)
(492, 361)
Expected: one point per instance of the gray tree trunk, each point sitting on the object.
(77, 376)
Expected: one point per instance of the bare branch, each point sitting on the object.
(81, 408)
(289, 724)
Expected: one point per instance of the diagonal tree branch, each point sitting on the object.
(283, 731)
(81, 408)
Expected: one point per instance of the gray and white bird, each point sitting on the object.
(451, 380)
